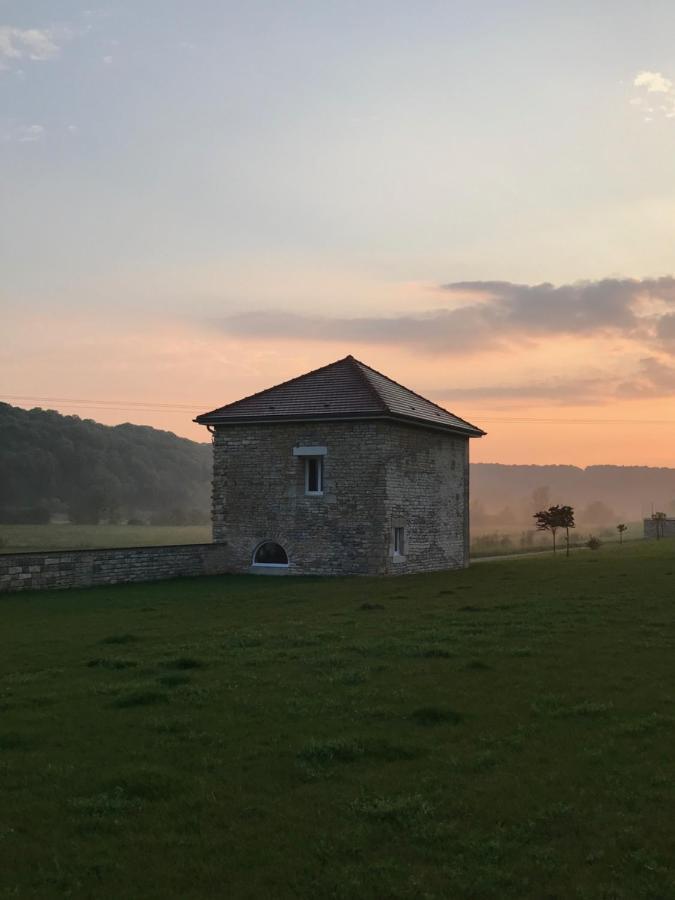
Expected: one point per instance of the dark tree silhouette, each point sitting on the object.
(553, 518)
(51, 463)
(566, 517)
(621, 528)
(545, 522)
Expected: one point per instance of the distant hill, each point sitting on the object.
(63, 465)
(599, 494)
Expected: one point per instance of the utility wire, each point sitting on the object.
(196, 405)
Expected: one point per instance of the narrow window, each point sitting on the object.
(399, 548)
(314, 475)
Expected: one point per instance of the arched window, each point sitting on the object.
(270, 554)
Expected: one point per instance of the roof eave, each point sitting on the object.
(468, 431)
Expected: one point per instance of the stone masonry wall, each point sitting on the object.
(85, 568)
(427, 475)
(259, 495)
(375, 474)
(667, 528)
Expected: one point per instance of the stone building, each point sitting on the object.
(341, 471)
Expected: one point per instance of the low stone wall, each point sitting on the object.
(666, 528)
(85, 568)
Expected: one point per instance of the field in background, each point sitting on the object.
(504, 731)
(498, 540)
(485, 541)
(17, 538)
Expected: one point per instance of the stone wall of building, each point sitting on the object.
(667, 528)
(427, 492)
(375, 472)
(85, 568)
(259, 495)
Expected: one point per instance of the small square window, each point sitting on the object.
(399, 541)
(314, 475)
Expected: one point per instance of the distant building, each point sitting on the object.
(656, 527)
(341, 471)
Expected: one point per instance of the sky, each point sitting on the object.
(198, 201)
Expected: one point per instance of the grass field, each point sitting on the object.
(485, 541)
(18, 538)
(501, 732)
(504, 540)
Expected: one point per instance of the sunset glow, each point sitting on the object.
(199, 206)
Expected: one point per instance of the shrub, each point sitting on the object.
(593, 543)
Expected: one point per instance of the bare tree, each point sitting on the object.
(621, 528)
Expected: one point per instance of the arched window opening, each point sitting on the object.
(270, 553)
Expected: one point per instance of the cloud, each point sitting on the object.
(500, 314)
(577, 391)
(27, 43)
(663, 89)
(503, 314)
(653, 379)
(18, 45)
(30, 133)
(655, 82)
(24, 134)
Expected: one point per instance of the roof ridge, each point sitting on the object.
(356, 365)
(414, 393)
(273, 387)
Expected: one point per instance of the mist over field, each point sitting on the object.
(64, 468)
(601, 495)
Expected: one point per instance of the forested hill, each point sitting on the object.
(66, 466)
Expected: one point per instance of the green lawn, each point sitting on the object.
(501, 732)
(18, 538)
(484, 542)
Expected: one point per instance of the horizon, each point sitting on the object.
(206, 443)
(476, 201)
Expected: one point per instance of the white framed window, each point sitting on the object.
(399, 540)
(314, 475)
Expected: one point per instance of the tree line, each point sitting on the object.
(55, 465)
(562, 517)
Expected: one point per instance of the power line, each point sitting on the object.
(196, 405)
(126, 404)
(522, 420)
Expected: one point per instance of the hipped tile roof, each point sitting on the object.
(346, 389)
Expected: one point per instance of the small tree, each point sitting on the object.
(659, 520)
(621, 528)
(546, 522)
(553, 518)
(566, 518)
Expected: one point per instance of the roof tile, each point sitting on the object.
(343, 389)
